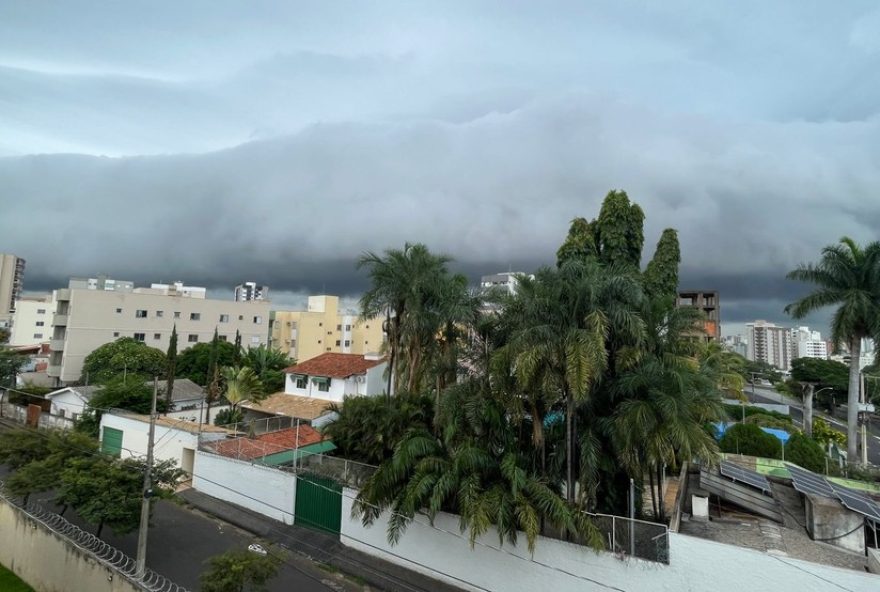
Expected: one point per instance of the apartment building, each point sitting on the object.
(11, 280)
(321, 328)
(90, 313)
(769, 343)
(807, 344)
(32, 320)
(251, 291)
(710, 304)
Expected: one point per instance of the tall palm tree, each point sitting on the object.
(241, 384)
(848, 277)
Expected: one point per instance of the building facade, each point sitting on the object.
(769, 343)
(11, 281)
(807, 344)
(321, 328)
(87, 317)
(333, 376)
(32, 320)
(251, 291)
(710, 304)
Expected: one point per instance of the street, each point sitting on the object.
(765, 395)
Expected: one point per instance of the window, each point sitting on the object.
(41, 311)
(222, 337)
(195, 316)
(348, 327)
(368, 326)
(319, 341)
(40, 323)
(240, 317)
(366, 342)
(38, 335)
(157, 336)
(338, 343)
(324, 386)
(160, 314)
(347, 343)
(192, 338)
(118, 311)
(320, 324)
(339, 327)
(329, 332)
(302, 381)
(140, 314)
(328, 349)
(139, 336)
(116, 334)
(258, 320)
(176, 315)
(255, 339)
(224, 318)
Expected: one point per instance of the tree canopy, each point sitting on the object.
(123, 356)
(239, 570)
(194, 362)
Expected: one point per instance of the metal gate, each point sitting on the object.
(111, 443)
(318, 503)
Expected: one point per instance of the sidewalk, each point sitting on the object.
(318, 546)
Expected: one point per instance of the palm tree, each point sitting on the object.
(242, 384)
(848, 277)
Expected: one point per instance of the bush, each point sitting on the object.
(228, 417)
(805, 452)
(824, 433)
(735, 412)
(747, 438)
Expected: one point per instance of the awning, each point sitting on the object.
(320, 380)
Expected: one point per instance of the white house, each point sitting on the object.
(332, 376)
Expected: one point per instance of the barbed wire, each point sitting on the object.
(104, 553)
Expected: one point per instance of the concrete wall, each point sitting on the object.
(695, 564)
(169, 443)
(827, 519)
(29, 313)
(49, 562)
(268, 491)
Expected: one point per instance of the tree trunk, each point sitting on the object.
(852, 401)
(569, 446)
(662, 510)
(653, 494)
(808, 410)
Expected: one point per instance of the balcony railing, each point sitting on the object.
(59, 320)
(56, 344)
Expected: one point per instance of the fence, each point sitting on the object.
(46, 420)
(109, 556)
(346, 472)
(262, 425)
(626, 537)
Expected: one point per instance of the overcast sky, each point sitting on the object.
(216, 142)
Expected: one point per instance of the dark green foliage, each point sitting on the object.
(129, 392)
(268, 364)
(579, 245)
(822, 373)
(4, 335)
(761, 371)
(193, 362)
(228, 417)
(170, 372)
(240, 570)
(735, 413)
(805, 452)
(369, 428)
(751, 440)
(23, 446)
(661, 276)
(619, 231)
(41, 474)
(125, 355)
(10, 365)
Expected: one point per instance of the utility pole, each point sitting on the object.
(148, 491)
(864, 427)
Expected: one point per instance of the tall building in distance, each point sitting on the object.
(506, 280)
(807, 344)
(32, 320)
(709, 303)
(249, 291)
(769, 343)
(321, 328)
(11, 281)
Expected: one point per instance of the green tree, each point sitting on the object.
(269, 365)
(4, 335)
(579, 245)
(171, 357)
(56, 450)
(848, 277)
(193, 362)
(240, 385)
(236, 352)
(227, 417)
(212, 376)
(619, 231)
(240, 570)
(123, 356)
(124, 391)
(19, 447)
(749, 439)
(806, 452)
(10, 365)
(661, 275)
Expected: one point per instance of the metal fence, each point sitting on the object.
(112, 557)
(346, 472)
(626, 537)
(262, 425)
(19, 414)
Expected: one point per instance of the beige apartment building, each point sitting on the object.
(304, 334)
(11, 278)
(91, 313)
(32, 320)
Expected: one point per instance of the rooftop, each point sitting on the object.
(246, 448)
(307, 408)
(183, 425)
(184, 390)
(335, 365)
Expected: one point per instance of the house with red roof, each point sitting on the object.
(333, 376)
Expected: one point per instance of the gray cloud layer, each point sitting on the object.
(299, 136)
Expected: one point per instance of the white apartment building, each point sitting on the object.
(32, 320)
(11, 280)
(251, 291)
(89, 314)
(506, 280)
(807, 344)
(769, 343)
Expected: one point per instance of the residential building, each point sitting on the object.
(769, 343)
(709, 303)
(807, 344)
(87, 317)
(101, 283)
(177, 289)
(737, 344)
(506, 281)
(251, 291)
(322, 328)
(32, 320)
(11, 281)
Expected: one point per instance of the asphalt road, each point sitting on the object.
(764, 395)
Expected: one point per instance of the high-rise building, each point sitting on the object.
(736, 343)
(11, 280)
(807, 344)
(321, 328)
(506, 280)
(88, 316)
(32, 320)
(769, 343)
(251, 291)
(709, 303)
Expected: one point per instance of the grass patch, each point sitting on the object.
(9, 582)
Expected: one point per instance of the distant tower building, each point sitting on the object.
(807, 344)
(251, 291)
(11, 279)
(769, 343)
(707, 302)
(506, 280)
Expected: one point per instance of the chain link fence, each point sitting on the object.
(626, 537)
(112, 557)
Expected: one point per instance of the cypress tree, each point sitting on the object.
(580, 244)
(172, 365)
(661, 276)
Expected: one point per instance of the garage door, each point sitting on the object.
(111, 442)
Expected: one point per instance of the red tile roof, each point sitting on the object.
(269, 443)
(334, 365)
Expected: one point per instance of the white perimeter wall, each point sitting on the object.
(696, 564)
(268, 491)
(169, 443)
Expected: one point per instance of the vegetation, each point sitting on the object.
(824, 434)
(239, 570)
(268, 364)
(240, 385)
(848, 277)
(129, 392)
(9, 582)
(806, 452)
(171, 368)
(227, 417)
(10, 365)
(749, 439)
(193, 362)
(123, 356)
(50, 456)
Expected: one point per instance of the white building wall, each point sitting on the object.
(169, 443)
(376, 382)
(68, 404)
(696, 564)
(262, 489)
(26, 327)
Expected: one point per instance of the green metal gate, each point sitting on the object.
(318, 503)
(111, 443)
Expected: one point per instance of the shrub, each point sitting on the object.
(824, 433)
(805, 452)
(747, 438)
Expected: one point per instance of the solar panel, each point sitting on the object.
(808, 482)
(738, 473)
(857, 502)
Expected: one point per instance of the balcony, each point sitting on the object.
(62, 294)
(56, 345)
(54, 371)
(59, 320)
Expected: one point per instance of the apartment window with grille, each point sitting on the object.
(192, 338)
(258, 320)
(140, 336)
(222, 337)
(301, 382)
(38, 335)
(224, 318)
(160, 314)
(195, 316)
(348, 327)
(329, 332)
(338, 343)
(118, 311)
(116, 334)
(339, 327)
(240, 317)
(366, 342)
(176, 315)
(320, 324)
(157, 336)
(41, 311)
(347, 343)
(40, 323)
(140, 314)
